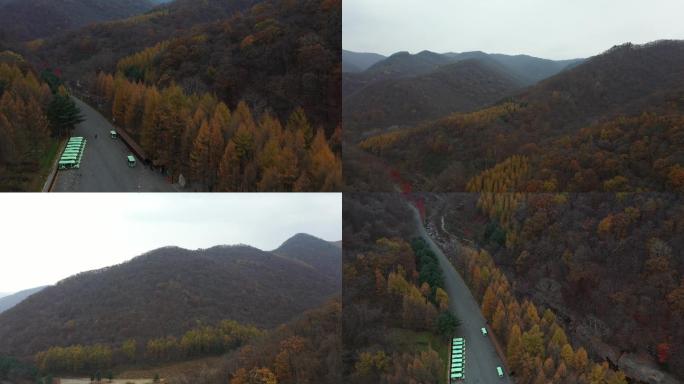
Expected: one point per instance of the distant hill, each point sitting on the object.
(526, 69)
(8, 301)
(168, 291)
(30, 19)
(459, 87)
(325, 257)
(359, 61)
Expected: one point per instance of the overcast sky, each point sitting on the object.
(46, 238)
(554, 29)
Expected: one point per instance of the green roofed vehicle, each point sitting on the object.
(131, 161)
(499, 372)
(67, 164)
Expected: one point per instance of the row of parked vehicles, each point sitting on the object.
(73, 153)
(457, 368)
(457, 361)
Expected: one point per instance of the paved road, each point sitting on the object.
(480, 354)
(104, 167)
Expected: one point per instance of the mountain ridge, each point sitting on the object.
(165, 292)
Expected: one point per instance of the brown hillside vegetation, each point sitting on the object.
(388, 311)
(610, 263)
(628, 98)
(535, 343)
(324, 256)
(165, 292)
(275, 55)
(305, 350)
(199, 138)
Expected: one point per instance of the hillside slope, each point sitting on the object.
(325, 257)
(164, 292)
(459, 87)
(30, 19)
(623, 83)
(527, 70)
(275, 55)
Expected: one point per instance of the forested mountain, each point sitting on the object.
(463, 86)
(325, 257)
(525, 69)
(165, 293)
(9, 301)
(589, 121)
(359, 61)
(30, 19)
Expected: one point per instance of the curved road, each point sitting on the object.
(480, 354)
(104, 167)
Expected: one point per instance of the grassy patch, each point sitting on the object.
(28, 176)
(45, 166)
(190, 368)
(411, 341)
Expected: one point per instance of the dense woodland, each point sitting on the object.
(609, 263)
(304, 350)
(611, 123)
(219, 150)
(396, 318)
(201, 341)
(275, 55)
(537, 347)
